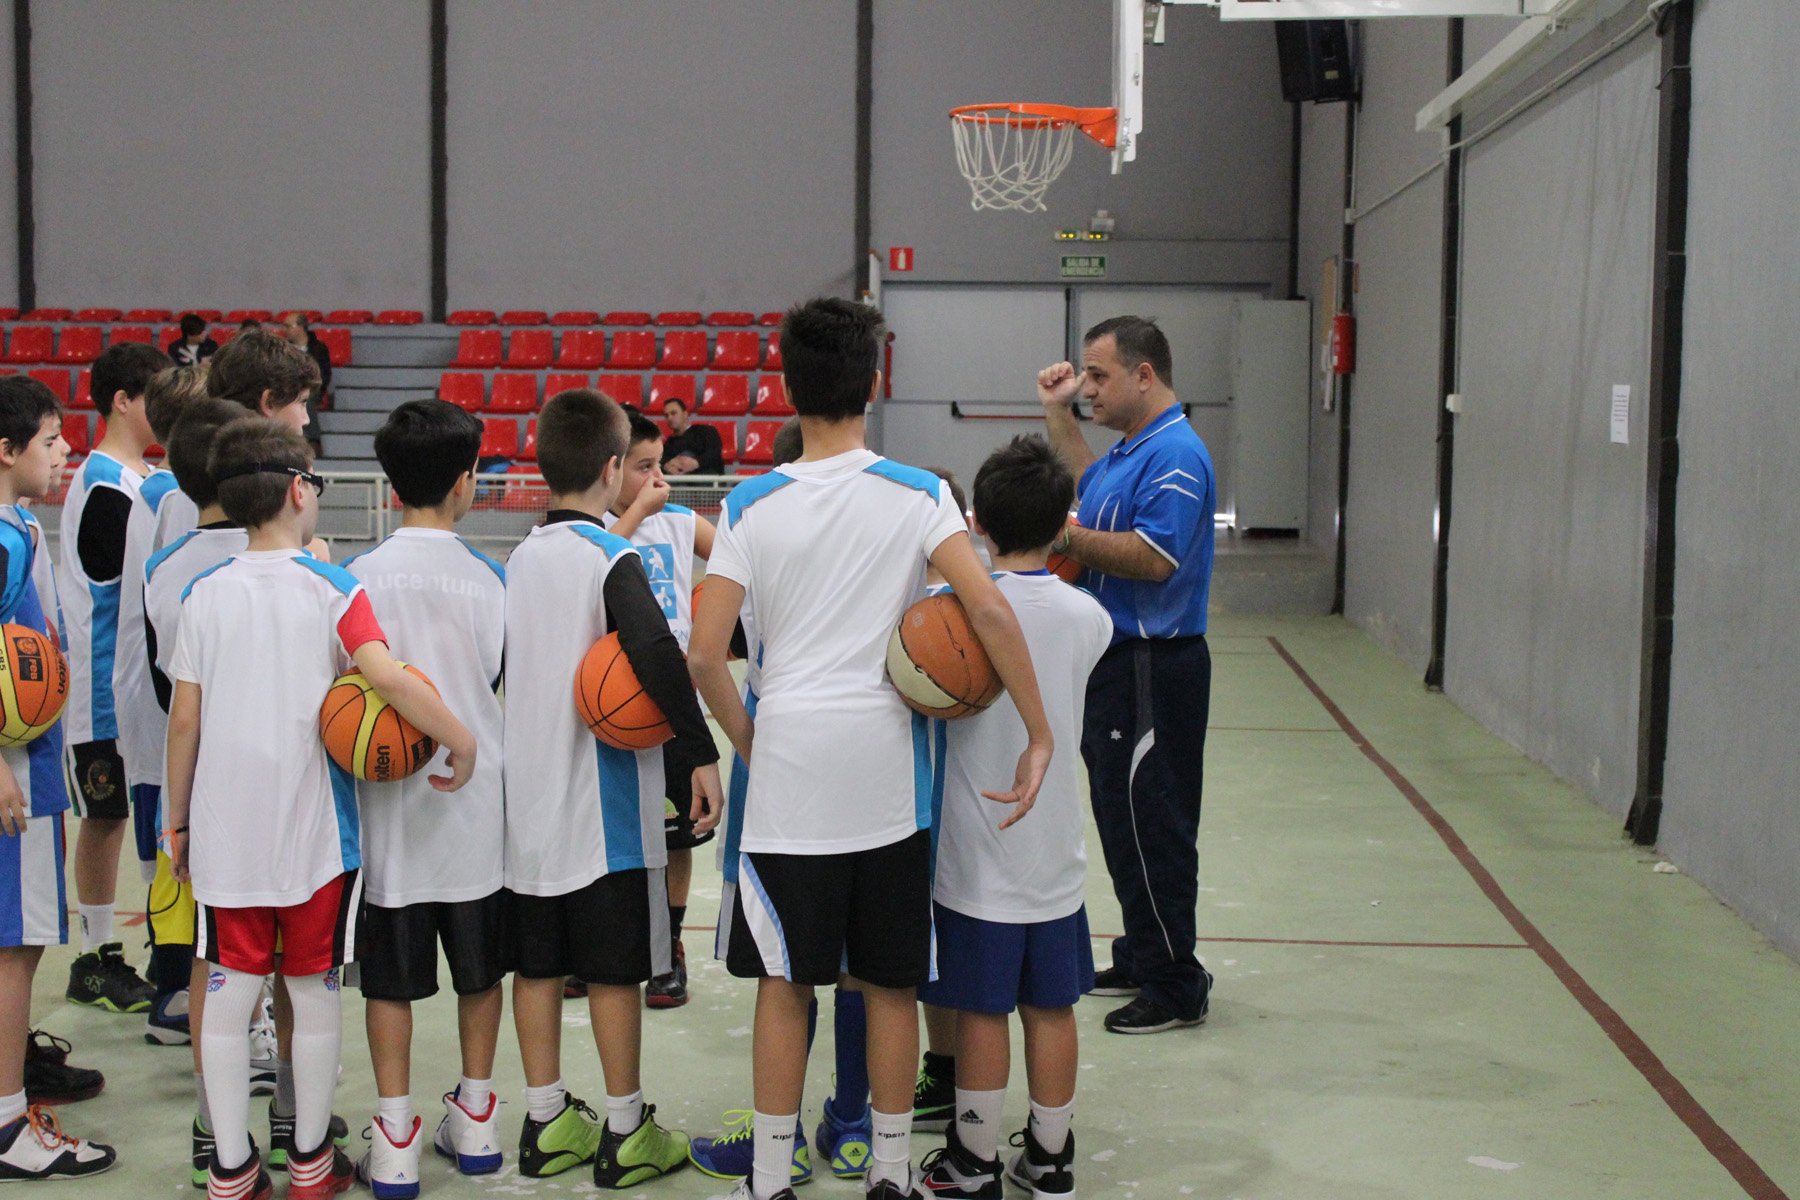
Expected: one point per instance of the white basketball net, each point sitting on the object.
(1011, 161)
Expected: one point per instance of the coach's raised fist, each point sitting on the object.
(1058, 385)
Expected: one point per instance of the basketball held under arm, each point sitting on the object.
(655, 656)
(419, 703)
(709, 652)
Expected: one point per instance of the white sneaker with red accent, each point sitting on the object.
(471, 1140)
(390, 1168)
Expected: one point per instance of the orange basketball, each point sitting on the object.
(731, 655)
(936, 662)
(613, 704)
(34, 684)
(1061, 565)
(367, 736)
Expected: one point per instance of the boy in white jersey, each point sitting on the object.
(584, 843)
(668, 537)
(433, 869)
(141, 719)
(1011, 927)
(88, 582)
(274, 851)
(835, 868)
(32, 797)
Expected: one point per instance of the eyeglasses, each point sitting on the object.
(313, 477)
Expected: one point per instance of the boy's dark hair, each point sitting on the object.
(425, 446)
(578, 431)
(258, 361)
(790, 443)
(192, 325)
(24, 403)
(1022, 495)
(956, 492)
(830, 350)
(167, 396)
(643, 429)
(258, 498)
(1138, 341)
(124, 367)
(191, 444)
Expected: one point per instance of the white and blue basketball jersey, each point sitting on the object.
(166, 577)
(576, 808)
(140, 728)
(665, 542)
(90, 604)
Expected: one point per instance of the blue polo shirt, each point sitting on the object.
(1158, 484)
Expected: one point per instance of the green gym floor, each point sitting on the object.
(1441, 973)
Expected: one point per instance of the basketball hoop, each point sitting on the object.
(1012, 153)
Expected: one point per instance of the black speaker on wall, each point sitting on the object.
(1315, 60)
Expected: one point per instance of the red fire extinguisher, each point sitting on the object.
(1343, 344)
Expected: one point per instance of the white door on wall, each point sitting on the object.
(979, 348)
(1199, 323)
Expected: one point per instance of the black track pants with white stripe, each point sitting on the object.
(1144, 741)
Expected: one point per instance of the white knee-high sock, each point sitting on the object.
(318, 1044)
(978, 1126)
(231, 997)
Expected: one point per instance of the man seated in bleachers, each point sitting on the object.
(690, 449)
(193, 347)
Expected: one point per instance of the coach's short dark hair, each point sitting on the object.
(1022, 495)
(255, 499)
(168, 393)
(124, 367)
(830, 352)
(24, 403)
(789, 443)
(425, 446)
(257, 361)
(191, 444)
(578, 431)
(1138, 341)
(192, 325)
(643, 429)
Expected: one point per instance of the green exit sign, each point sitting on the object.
(1084, 266)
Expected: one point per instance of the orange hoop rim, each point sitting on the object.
(1100, 124)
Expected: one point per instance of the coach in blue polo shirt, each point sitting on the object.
(1145, 544)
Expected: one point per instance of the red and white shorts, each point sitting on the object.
(311, 937)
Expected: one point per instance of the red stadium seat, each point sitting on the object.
(530, 348)
(582, 349)
(349, 316)
(636, 349)
(625, 389)
(528, 448)
(737, 350)
(565, 381)
(626, 318)
(575, 317)
(726, 396)
(514, 393)
(759, 442)
(48, 314)
(149, 316)
(771, 319)
(678, 317)
(772, 359)
(668, 387)
(313, 315)
(524, 316)
(75, 432)
(400, 316)
(78, 344)
(211, 316)
(168, 337)
(338, 341)
(238, 316)
(222, 334)
(477, 348)
(54, 378)
(731, 318)
(131, 333)
(728, 438)
(98, 314)
(499, 437)
(683, 351)
(9, 314)
(464, 389)
(30, 344)
(771, 400)
(471, 316)
(84, 389)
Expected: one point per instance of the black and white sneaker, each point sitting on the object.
(1145, 1015)
(281, 1136)
(887, 1189)
(953, 1171)
(35, 1147)
(742, 1192)
(1113, 982)
(248, 1182)
(1044, 1175)
(49, 1079)
(103, 979)
(934, 1094)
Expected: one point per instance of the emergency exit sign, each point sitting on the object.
(1084, 266)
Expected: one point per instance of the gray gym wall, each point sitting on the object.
(1730, 815)
(9, 245)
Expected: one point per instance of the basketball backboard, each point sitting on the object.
(1129, 36)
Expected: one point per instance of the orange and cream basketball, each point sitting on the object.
(936, 662)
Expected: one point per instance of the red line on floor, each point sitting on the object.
(1380, 945)
(1734, 1158)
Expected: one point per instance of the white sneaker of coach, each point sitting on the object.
(471, 1140)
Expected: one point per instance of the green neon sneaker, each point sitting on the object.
(628, 1159)
(551, 1147)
